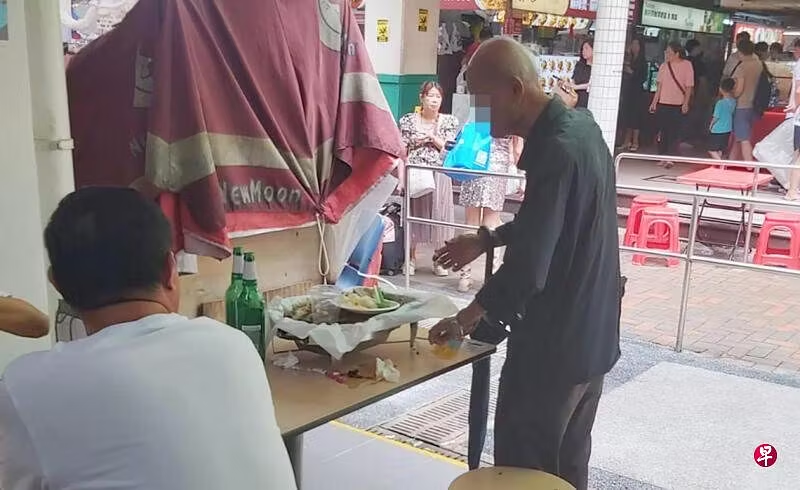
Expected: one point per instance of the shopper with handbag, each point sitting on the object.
(675, 84)
(425, 134)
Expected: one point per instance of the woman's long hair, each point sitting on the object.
(583, 60)
(428, 86)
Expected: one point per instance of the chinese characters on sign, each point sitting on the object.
(765, 455)
(383, 30)
(668, 16)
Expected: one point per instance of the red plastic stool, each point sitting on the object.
(635, 216)
(783, 257)
(651, 237)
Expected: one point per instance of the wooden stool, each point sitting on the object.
(505, 478)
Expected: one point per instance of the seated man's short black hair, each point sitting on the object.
(106, 245)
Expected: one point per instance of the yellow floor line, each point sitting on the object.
(424, 452)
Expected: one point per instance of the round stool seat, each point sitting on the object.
(783, 217)
(505, 478)
(650, 200)
(660, 211)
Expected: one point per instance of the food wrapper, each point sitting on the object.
(337, 339)
(386, 370)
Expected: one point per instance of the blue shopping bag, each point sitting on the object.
(471, 151)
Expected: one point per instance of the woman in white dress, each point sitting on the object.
(484, 197)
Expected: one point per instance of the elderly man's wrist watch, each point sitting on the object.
(487, 237)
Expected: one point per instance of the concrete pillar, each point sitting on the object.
(50, 111)
(611, 28)
(402, 50)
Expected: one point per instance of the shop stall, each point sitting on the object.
(661, 23)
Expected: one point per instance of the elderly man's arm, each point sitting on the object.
(533, 236)
(20, 318)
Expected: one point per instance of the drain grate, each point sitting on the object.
(442, 422)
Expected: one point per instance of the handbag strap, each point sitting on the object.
(675, 79)
(735, 67)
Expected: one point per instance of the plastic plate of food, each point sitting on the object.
(367, 301)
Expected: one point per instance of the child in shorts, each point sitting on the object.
(722, 120)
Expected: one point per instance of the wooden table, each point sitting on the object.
(738, 180)
(304, 400)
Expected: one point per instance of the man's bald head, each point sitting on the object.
(502, 75)
(502, 59)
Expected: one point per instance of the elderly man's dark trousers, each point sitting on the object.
(544, 424)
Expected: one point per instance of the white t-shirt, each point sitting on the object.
(163, 403)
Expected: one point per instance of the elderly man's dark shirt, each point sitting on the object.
(559, 284)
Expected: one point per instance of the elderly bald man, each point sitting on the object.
(559, 286)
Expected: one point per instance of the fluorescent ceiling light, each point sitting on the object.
(791, 33)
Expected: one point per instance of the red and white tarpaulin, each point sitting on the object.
(248, 114)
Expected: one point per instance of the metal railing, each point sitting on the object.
(688, 256)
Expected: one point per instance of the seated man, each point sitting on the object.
(150, 399)
(20, 318)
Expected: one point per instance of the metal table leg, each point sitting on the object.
(294, 446)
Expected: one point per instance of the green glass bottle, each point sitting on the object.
(234, 289)
(250, 306)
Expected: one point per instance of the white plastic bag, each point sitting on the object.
(778, 148)
(420, 183)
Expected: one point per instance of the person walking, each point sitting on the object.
(425, 134)
(793, 111)
(633, 95)
(722, 120)
(746, 73)
(671, 102)
(559, 286)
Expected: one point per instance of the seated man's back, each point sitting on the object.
(153, 401)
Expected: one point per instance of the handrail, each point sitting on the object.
(688, 257)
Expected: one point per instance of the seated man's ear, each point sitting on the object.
(52, 279)
(169, 277)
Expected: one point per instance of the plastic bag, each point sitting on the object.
(778, 148)
(471, 150)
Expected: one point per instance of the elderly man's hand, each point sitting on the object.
(459, 252)
(456, 327)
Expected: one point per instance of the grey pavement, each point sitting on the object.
(667, 420)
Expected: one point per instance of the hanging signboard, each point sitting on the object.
(668, 16)
(585, 9)
(383, 30)
(558, 7)
(759, 33)
(555, 21)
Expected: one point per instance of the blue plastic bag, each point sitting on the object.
(471, 151)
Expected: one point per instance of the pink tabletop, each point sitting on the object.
(724, 179)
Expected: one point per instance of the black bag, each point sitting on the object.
(394, 253)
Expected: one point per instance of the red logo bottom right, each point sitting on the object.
(765, 455)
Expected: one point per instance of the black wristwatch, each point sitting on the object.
(487, 238)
